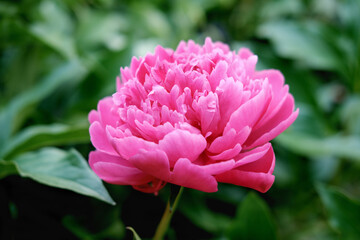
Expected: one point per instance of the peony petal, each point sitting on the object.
(191, 117)
(93, 116)
(182, 144)
(218, 167)
(250, 112)
(105, 109)
(279, 91)
(245, 53)
(227, 154)
(118, 82)
(263, 164)
(153, 186)
(207, 109)
(276, 104)
(258, 181)
(134, 65)
(116, 170)
(193, 176)
(250, 64)
(154, 163)
(164, 54)
(125, 76)
(252, 155)
(112, 132)
(266, 134)
(151, 133)
(99, 139)
(231, 95)
(218, 74)
(142, 70)
(130, 146)
(276, 79)
(174, 95)
(159, 94)
(229, 140)
(256, 173)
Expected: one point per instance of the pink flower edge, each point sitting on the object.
(193, 117)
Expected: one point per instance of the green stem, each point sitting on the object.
(169, 211)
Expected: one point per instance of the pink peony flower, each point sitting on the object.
(194, 117)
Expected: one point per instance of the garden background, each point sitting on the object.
(59, 58)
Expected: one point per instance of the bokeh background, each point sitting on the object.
(59, 57)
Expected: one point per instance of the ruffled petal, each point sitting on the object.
(107, 112)
(227, 154)
(228, 140)
(130, 146)
(207, 109)
(191, 117)
(182, 144)
(99, 139)
(193, 176)
(93, 116)
(231, 95)
(218, 167)
(252, 155)
(256, 173)
(263, 164)
(219, 73)
(116, 170)
(270, 130)
(250, 112)
(255, 180)
(154, 163)
(154, 186)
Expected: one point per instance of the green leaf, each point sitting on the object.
(343, 212)
(296, 41)
(15, 112)
(7, 168)
(98, 28)
(62, 169)
(48, 135)
(55, 29)
(114, 231)
(77, 229)
(350, 114)
(136, 236)
(324, 168)
(253, 220)
(308, 145)
(193, 206)
(152, 19)
(8, 9)
(310, 122)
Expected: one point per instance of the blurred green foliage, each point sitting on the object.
(59, 57)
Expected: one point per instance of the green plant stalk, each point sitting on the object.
(166, 218)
